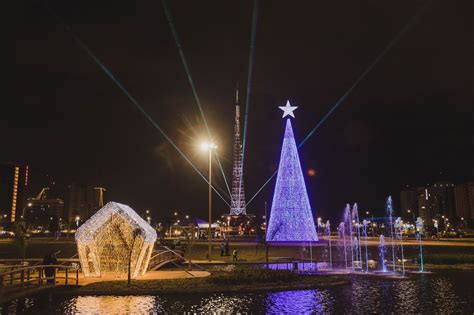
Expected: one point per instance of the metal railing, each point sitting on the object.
(36, 275)
(161, 257)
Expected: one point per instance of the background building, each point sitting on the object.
(409, 203)
(441, 195)
(13, 190)
(81, 201)
(43, 214)
(440, 200)
(464, 200)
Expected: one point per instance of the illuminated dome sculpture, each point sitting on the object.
(106, 240)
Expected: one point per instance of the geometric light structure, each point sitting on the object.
(237, 206)
(291, 218)
(106, 240)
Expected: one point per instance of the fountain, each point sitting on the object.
(399, 234)
(389, 211)
(342, 231)
(348, 230)
(328, 233)
(419, 233)
(364, 224)
(382, 253)
(355, 220)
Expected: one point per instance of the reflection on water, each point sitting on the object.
(301, 301)
(113, 304)
(450, 292)
(221, 303)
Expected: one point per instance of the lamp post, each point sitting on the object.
(209, 146)
(413, 214)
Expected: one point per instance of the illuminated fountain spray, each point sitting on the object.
(419, 234)
(399, 234)
(364, 225)
(382, 253)
(342, 234)
(356, 225)
(348, 230)
(389, 211)
(328, 233)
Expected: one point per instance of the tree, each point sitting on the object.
(136, 233)
(21, 237)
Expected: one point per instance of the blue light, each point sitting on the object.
(291, 219)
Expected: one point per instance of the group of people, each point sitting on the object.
(225, 248)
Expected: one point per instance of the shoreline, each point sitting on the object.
(178, 286)
(202, 285)
(270, 287)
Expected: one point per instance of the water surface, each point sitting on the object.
(444, 292)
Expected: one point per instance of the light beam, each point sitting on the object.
(130, 97)
(353, 86)
(169, 19)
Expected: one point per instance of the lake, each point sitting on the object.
(441, 292)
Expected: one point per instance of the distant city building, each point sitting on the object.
(13, 189)
(409, 202)
(81, 201)
(442, 198)
(42, 213)
(424, 210)
(464, 200)
(431, 202)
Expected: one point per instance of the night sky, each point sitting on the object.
(409, 121)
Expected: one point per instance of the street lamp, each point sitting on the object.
(413, 214)
(209, 146)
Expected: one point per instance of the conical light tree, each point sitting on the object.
(291, 218)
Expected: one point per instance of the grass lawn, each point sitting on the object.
(241, 279)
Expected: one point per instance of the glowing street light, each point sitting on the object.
(209, 146)
(78, 218)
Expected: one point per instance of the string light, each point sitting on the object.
(105, 241)
(291, 219)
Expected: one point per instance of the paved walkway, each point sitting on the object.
(205, 261)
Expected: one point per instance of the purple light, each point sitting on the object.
(291, 219)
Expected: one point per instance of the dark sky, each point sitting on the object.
(410, 121)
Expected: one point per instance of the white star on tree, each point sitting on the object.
(288, 109)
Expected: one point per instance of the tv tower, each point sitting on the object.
(237, 206)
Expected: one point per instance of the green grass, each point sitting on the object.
(249, 275)
(449, 259)
(39, 247)
(239, 279)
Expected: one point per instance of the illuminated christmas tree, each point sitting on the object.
(291, 218)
